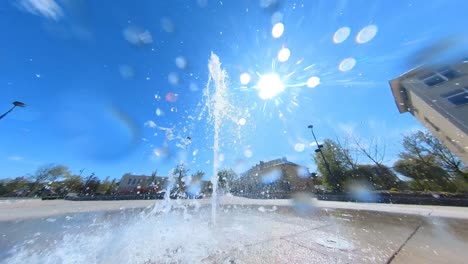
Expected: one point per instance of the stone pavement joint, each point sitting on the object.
(404, 243)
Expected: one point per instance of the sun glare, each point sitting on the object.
(269, 86)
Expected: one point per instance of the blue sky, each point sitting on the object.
(117, 86)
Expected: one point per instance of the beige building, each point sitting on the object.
(275, 176)
(438, 98)
(130, 182)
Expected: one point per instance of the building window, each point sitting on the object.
(441, 75)
(436, 128)
(457, 97)
(454, 143)
(129, 180)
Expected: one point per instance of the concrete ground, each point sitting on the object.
(271, 231)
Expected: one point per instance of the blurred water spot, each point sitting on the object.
(181, 62)
(109, 135)
(240, 166)
(202, 3)
(299, 147)
(248, 153)
(46, 8)
(137, 36)
(264, 210)
(271, 177)
(268, 4)
(277, 30)
(167, 25)
(245, 78)
(347, 64)
(150, 123)
(194, 188)
(171, 97)
(366, 34)
(313, 81)
(173, 78)
(276, 17)
(242, 121)
(284, 54)
(303, 172)
(303, 204)
(193, 87)
(341, 35)
(173, 109)
(159, 112)
(361, 192)
(126, 71)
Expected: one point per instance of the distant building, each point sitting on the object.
(438, 98)
(275, 176)
(131, 183)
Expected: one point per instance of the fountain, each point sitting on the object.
(221, 230)
(215, 96)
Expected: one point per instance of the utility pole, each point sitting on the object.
(319, 149)
(15, 104)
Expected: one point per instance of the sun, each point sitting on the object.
(269, 86)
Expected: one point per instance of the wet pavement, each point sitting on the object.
(245, 232)
(341, 236)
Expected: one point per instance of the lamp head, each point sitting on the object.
(20, 104)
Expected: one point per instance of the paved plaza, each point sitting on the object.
(258, 231)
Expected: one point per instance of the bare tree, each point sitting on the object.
(374, 150)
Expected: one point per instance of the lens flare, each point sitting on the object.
(245, 78)
(313, 81)
(347, 64)
(341, 35)
(299, 147)
(277, 30)
(269, 86)
(366, 34)
(284, 54)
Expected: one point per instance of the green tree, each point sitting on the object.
(45, 174)
(92, 184)
(73, 183)
(20, 186)
(153, 176)
(424, 175)
(376, 177)
(104, 186)
(3, 189)
(430, 164)
(180, 173)
(198, 176)
(339, 160)
(112, 188)
(227, 178)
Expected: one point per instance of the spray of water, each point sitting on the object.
(218, 107)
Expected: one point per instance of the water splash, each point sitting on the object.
(218, 107)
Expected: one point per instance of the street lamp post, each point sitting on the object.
(15, 104)
(319, 149)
